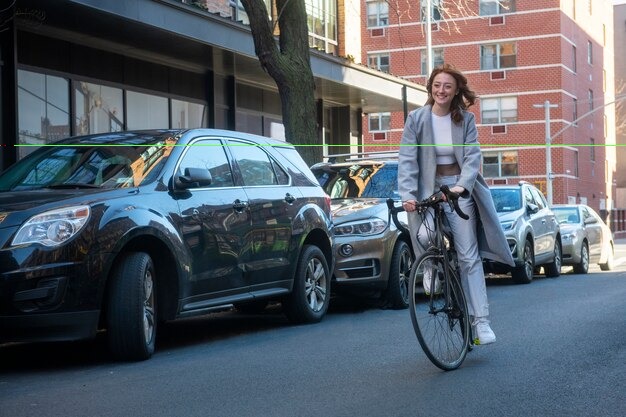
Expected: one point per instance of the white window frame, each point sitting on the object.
(377, 13)
(505, 109)
(383, 120)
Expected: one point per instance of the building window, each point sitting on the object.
(498, 110)
(497, 56)
(322, 22)
(146, 111)
(378, 61)
(589, 52)
(491, 7)
(592, 150)
(99, 108)
(379, 122)
(377, 14)
(185, 114)
(590, 98)
(437, 59)
(43, 108)
(574, 58)
(500, 164)
(435, 11)
(575, 112)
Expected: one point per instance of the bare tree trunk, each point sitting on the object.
(289, 64)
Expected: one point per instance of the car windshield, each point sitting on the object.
(566, 215)
(87, 164)
(506, 199)
(359, 180)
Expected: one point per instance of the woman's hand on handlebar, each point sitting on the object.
(456, 189)
(409, 205)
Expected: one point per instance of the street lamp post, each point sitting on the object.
(549, 176)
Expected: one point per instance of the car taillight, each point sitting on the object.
(327, 201)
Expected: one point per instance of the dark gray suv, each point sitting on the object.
(531, 230)
(371, 255)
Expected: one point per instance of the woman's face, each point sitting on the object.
(443, 89)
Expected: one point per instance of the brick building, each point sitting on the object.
(516, 54)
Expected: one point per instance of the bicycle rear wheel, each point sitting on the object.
(440, 319)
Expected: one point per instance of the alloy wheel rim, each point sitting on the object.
(148, 307)
(315, 285)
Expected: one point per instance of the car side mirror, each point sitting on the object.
(532, 208)
(590, 220)
(193, 178)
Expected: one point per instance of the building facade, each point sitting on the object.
(518, 55)
(72, 67)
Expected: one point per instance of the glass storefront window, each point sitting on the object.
(188, 115)
(43, 109)
(146, 111)
(99, 109)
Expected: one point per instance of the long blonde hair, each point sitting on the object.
(462, 100)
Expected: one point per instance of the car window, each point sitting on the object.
(255, 165)
(383, 183)
(88, 166)
(586, 214)
(538, 197)
(566, 215)
(506, 199)
(209, 154)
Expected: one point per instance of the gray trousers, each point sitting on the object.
(466, 243)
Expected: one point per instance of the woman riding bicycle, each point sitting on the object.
(440, 146)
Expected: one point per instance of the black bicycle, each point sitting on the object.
(437, 301)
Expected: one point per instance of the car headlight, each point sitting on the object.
(568, 236)
(508, 225)
(361, 228)
(52, 228)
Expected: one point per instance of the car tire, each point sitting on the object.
(524, 274)
(310, 296)
(583, 266)
(553, 269)
(397, 294)
(608, 265)
(132, 308)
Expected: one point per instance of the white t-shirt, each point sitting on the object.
(442, 131)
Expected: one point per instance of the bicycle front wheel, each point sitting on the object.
(439, 315)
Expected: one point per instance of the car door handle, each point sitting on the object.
(289, 198)
(239, 205)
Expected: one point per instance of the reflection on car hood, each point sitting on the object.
(349, 209)
(509, 216)
(565, 227)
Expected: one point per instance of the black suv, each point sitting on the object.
(125, 230)
(531, 229)
(372, 255)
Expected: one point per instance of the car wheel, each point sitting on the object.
(397, 294)
(553, 269)
(583, 266)
(524, 273)
(309, 299)
(131, 310)
(609, 261)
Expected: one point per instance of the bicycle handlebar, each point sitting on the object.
(450, 196)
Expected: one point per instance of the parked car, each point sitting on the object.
(371, 255)
(586, 238)
(531, 230)
(125, 230)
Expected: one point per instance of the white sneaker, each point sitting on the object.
(483, 335)
(427, 281)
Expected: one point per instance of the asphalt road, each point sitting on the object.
(561, 351)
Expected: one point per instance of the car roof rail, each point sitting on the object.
(359, 156)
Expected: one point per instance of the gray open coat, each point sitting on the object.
(417, 171)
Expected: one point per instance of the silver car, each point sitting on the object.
(586, 238)
(372, 257)
(531, 230)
